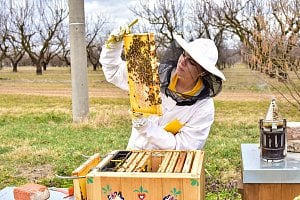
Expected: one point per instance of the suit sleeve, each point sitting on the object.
(113, 67)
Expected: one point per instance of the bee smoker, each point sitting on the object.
(273, 140)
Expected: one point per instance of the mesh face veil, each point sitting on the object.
(212, 84)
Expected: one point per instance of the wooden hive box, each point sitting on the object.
(151, 175)
(81, 171)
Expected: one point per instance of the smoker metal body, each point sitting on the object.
(273, 140)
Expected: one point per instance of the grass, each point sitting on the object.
(39, 140)
(35, 135)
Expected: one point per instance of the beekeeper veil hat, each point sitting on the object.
(204, 52)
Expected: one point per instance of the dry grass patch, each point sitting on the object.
(23, 150)
(33, 174)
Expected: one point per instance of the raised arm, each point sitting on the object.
(114, 68)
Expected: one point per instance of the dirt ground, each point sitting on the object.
(118, 93)
(244, 96)
(103, 92)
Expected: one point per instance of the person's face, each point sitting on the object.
(188, 68)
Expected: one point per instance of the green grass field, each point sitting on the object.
(39, 140)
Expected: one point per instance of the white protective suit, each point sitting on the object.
(197, 118)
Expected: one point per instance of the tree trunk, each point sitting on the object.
(39, 70)
(95, 67)
(44, 66)
(15, 67)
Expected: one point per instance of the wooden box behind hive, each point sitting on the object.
(152, 175)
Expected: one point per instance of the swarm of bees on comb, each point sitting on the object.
(143, 79)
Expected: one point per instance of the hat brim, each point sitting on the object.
(185, 45)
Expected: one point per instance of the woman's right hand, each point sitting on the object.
(118, 34)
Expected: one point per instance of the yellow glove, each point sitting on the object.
(117, 35)
(173, 126)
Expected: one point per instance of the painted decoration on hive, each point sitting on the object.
(194, 182)
(173, 194)
(112, 195)
(141, 193)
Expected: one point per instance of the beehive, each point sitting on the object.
(80, 183)
(142, 68)
(141, 174)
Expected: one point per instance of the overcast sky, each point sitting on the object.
(117, 10)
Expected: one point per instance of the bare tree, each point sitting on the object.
(204, 24)
(192, 19)
(165, 16)
(94, 28)
(269, 31)
(62, 37)
(50, 53)
(10, 45)
(3, 31)
(15, 52)
(36, 36)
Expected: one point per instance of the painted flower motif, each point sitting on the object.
(115, 196)
(141, 193)
(169, 197)
(173, 194)
(112, 195)
(194, 182)
(106, 190)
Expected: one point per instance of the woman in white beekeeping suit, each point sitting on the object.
(187, 88)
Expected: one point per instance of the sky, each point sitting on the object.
(117, 10)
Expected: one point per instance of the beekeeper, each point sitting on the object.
(187, 89)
